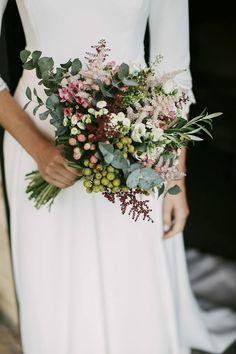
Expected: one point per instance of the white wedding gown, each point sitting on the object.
(90, 280)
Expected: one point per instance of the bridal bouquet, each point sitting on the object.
(121, 127)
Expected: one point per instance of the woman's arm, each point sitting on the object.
(169, 36)
(51, 163)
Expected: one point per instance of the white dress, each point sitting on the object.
(90, 280)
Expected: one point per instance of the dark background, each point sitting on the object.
(211, 176)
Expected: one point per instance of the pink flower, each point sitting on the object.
(64, 94)
(86, 146)
(81, 138)
(82, 101)
(67, 111)
(91, 137)
(93, 147)
(79, 116)
(77, 153)
(93, 159)
(72, 141)
(157, 168)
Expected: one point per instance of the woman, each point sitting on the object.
(90, 280)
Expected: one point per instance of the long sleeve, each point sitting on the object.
(169, 37)
(2, 9)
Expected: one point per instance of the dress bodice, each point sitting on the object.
(66, 30)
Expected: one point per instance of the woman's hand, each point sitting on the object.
(175, 211)
(54, 168)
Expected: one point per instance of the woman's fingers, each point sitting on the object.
(177, 226)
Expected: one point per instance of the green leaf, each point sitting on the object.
(116, 82)
(103, 89)
(44, 115)
(194, 137)
(28, 93)
(67, 65)
(123, 71)
(29, 65)
(36, 109)
(134, 166)
(24, 55)
(133, 178)
(45, 64)
(161, 190)
(36, 55)
(149, 178)
(119, 161)
(128, 82)
(76, 66)
(26, 105)
(174, 190)
(52, 101)
(107, 151)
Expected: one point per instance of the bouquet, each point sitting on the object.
(122, 127)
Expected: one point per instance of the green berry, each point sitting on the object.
(98, 175)
(96, 189)
(99, 167)
(124, 189)
(86, 171)
(89, 190)
(124, 141)
(110, 185)
(116, 182)
(86, 163)
(125, 155)
(119, 145)
(101, 188)
(111, 176)
(87, 184)
(115, 189)
(104, 181)
(131, 149)
(110, 169)
(91, 165)
(104, 173)
(96, 182)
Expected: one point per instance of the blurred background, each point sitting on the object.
(210, 235)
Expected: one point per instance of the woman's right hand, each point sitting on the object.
(54, 168)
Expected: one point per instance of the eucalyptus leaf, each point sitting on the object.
(107, 151)
(134, 166)
(123, 71)
(119, 161)
(45, 64)
(133, 178)
(24, 55)
(76, 66)
(28, 93)
(44, 115)
(29, 65)
(161, 190)
(36, 109)
(128, 82)
(174, 190)
(52, 101)
(26, 105)
(36, 55)
(67, 65)
(149, 178)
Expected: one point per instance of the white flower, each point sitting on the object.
(139, 130)
(80, 125)
(101, 104)
(157, 133)
(120, 116)
(64, 82)
(74, 120)
(169, 86)
(65, 121)
(91, 110)
(74, 131)
(126, 122)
